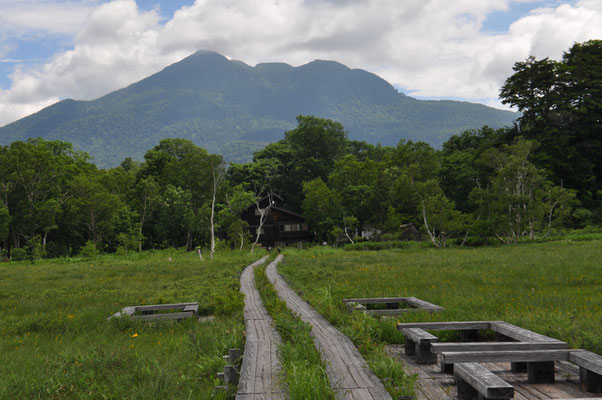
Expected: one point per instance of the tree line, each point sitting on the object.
(483, 186)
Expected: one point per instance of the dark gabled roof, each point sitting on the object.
(287, 211)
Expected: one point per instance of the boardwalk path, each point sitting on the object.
(432, 384)
(348, 372)
(260, 365)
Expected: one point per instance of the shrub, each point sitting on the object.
(393, 244)
(19, 254)
(89, 249)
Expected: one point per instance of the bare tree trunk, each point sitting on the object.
(242, 240)
(345, 229)
(263, 213)
(217, 176)
(426, 225)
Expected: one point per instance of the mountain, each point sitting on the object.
(234, 109)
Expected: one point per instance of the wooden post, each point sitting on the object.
(234, 355)
(465, 391)
(424, 354)
(540, 372)
(230, 374)
(410, 347)
(590, 381)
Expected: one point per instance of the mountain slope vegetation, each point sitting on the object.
(234, 109)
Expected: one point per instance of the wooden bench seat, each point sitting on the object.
(476, 381)
(514, 332)
(496, 346)
(417, 343)
(540, 363)
(590, 369)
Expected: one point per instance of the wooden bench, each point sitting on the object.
(469, 330)
(417, 343)
(540, 363)
(185, 310)
(392, 305)
(505, 330)
(590, 369)
(496, 346)
(475, 381)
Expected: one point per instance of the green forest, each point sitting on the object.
(523, 182)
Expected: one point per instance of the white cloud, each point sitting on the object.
(24, 17)
(434, 48)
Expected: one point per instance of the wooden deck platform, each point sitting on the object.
(260, 365)
(432, 384)
(348, 373)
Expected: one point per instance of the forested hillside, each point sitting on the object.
(232, 109)
(487, 185)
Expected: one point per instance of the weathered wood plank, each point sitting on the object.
(496, 346)
(587, 359)
(518, 333)
(348, 373)
(260, 365)
(378, 300)
(452, 325)
(496, 356)
(166, 316)
(484, 381)
(419, 335)
(160, 307)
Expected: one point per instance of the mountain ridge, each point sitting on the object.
(234, 109)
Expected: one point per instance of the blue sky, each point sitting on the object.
(56, 49)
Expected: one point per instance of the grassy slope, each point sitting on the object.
(551, 288)
(55, 341)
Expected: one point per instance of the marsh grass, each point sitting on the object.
(56, 342)
(304, 373)
(551, 288)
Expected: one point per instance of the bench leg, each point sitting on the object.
(424, 355)
(540, 372)
(469, 335)
(518, 366)
(446, 368)
(590, 381)
(465, 391)
(410, 347)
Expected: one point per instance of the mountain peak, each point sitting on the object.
(233, 109)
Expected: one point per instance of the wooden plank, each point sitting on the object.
(587, 359)
(160, 307)
(419, 303)
(165, 317)
(378, 300)
(512, 356)
(455, 325)
(496, 346)
(484, 381)
(418, 335)
(518, 333)
(399, 311)
(348, 373)
(260, 365)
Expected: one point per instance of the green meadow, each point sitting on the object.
(551, 288)
(56, 342)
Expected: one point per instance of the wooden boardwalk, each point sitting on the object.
(432, 384)
(260, 368)
(348, 373)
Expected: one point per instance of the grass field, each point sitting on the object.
(55, 341)
(551, 288)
